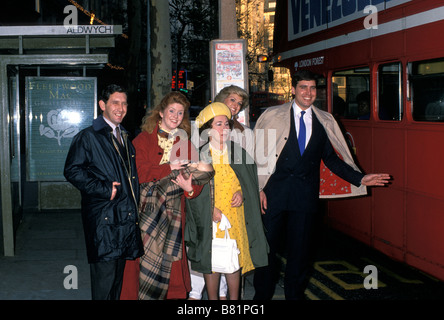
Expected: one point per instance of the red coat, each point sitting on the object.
(148, 156)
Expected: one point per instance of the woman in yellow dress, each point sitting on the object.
(236, 195)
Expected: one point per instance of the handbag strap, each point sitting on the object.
(227, 235)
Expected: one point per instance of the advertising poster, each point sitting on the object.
(307, 18)
(229, 67)
(57, 109)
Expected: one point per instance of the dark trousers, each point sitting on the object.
(294, 230)
(106, 279)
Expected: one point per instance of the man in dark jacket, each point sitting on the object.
(101, 164)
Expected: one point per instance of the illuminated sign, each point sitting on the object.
(179, 81)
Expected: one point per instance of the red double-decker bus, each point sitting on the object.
(383, 68)
(260, 100)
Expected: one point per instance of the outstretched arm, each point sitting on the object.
(375, 179)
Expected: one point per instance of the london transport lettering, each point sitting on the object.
(304, 63)
(306, 17)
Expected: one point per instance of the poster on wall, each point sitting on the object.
(57, 108)
(229, 67)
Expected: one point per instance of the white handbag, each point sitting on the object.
(224, 251)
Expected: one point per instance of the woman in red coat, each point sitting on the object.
(159, 150)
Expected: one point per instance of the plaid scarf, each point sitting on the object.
(161, 226)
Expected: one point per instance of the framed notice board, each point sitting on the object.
(57, 108)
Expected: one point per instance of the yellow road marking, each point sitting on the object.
(326, 289)
(348, 269)
(310, 295)
(392, 274)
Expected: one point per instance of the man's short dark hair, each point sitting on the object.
(303, 75)
(109, 90)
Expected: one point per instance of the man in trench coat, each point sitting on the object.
(289, 181)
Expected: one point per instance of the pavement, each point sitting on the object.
(50, 264)
(46, 243)
(50, 253)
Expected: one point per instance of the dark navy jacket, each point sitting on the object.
(94, 161)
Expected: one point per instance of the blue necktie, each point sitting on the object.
(301, 137)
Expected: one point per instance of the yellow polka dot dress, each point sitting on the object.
(225, 185)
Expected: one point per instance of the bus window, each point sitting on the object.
(351, 93)
(427, 89)
(390, 92)
(260, 100)
(321, 94)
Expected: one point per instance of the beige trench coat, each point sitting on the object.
(271, 132)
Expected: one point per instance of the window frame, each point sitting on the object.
(412, 78)
(354, 72)
(401, 105)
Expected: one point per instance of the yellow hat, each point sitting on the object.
(212, 110)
